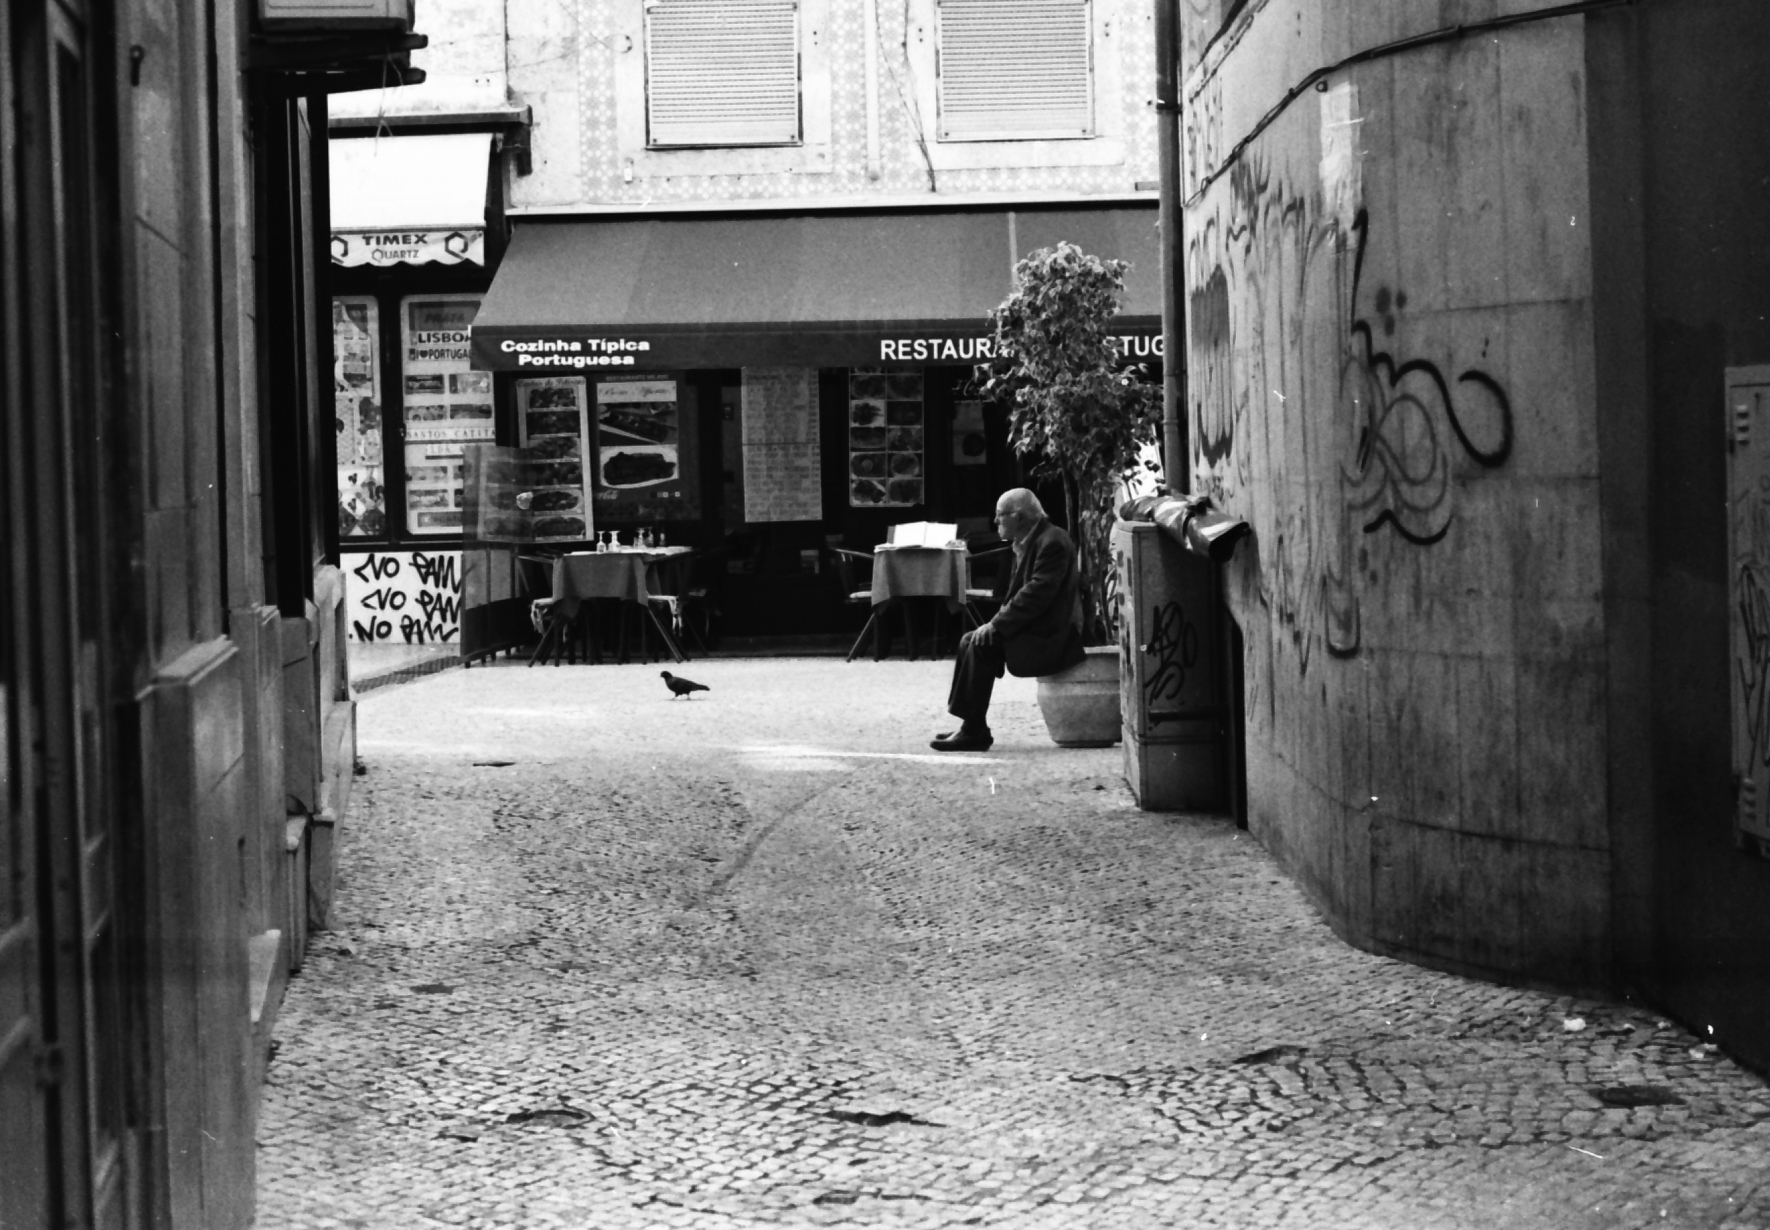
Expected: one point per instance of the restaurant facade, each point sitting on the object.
(743, 296)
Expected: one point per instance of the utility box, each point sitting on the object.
(1171, 679)
(320, 16)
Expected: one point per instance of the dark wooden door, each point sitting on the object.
(61, 998)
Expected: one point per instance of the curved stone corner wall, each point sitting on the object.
(1391, 377)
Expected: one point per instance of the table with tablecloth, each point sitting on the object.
(625, 574)
(902, 573)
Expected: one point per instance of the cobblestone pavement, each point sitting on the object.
(605, 959)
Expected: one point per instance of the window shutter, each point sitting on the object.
(722, 72)
(1015, 69)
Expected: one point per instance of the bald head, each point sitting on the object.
(1018, 513)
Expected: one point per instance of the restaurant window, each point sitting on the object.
(1014, 69)
(447, 406)
(722, 73)
(356, 404)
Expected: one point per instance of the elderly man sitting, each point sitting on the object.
(1037, 631)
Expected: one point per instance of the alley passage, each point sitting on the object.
(606, 959)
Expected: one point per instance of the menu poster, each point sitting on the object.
(447, 406)
(969, 448)
(782, 478)
(643, 438)
(554, 427)
(356, 408)
(884, 438)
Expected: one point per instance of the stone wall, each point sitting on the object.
(1390, 339)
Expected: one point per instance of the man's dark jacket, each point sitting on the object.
(1040, 623)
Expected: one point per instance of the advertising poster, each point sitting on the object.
(782, 479)
(643, 442)
(884, 438)
(448, 405)
(356, 410)
(554, 426)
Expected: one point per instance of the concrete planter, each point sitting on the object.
(1081, 704)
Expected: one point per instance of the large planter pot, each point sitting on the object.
(1081, 704)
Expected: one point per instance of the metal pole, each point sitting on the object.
(1176, 453)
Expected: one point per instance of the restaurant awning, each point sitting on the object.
(411, 200)
(828, 290)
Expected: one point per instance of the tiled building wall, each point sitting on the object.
(573, 63)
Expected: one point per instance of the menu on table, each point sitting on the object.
(782, 477)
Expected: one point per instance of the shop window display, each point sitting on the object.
(885, 445)
(644, 451)
(356, 408)
(447, 406)
(555, 432)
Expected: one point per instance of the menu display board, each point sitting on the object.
(884, 438)
(356, 408)
(969, 447)
(554, 428)
(644, 442)
(782, 480)
(447, 405)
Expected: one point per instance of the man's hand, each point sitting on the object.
(983, 634)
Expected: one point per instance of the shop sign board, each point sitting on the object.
(647, 348)
(384, 249)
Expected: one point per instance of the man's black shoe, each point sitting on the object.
(962, 740)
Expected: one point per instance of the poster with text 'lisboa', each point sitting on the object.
(448, 405)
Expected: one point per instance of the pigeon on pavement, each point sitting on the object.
(682, 687)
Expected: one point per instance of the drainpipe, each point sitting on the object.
(1176, 464)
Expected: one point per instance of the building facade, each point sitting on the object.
(1475, 303)
(751, 251)
(177, 735)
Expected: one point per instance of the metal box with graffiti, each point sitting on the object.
(1170, 677)
(1748, 578)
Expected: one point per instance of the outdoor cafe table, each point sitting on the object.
(913, 572)
(623, 574)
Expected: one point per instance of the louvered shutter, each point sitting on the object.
(722, 72)
(1015, 69)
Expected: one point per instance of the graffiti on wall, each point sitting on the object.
(1290, 341)
(404, 597)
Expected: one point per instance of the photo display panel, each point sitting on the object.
(555, 430)
(447, 405)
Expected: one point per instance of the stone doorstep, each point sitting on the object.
(339, 759)
(295, 847)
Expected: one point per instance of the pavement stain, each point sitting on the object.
(911, 1002)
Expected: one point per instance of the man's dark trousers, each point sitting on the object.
(975, 671)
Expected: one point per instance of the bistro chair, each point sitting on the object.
(855, 568)
(556, 628)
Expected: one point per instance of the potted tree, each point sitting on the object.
(1079, 415)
